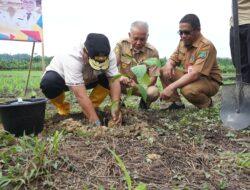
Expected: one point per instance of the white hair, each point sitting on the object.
(139, 24)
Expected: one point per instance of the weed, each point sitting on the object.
(141, 185)
(28, 159)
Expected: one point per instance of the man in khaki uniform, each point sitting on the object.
(244, 32)
(200, 77)
(130, 52)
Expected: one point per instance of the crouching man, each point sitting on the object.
(131, 52)
(88, 65)
(199, 78)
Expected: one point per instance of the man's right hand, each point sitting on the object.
(127, 81)
(85, 103)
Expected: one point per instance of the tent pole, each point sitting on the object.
(43, 63)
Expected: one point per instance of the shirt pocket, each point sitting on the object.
(125, 67)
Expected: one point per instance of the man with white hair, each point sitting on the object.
(137, 48)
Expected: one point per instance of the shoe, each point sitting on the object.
(171, 105)
(143, 105)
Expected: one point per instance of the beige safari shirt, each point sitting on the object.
(201, 57)
(124, 50)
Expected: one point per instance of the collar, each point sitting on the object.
(197, 42)
(137, 51)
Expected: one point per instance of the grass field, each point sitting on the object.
(13, 83)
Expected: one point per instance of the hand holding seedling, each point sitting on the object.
(127, 81)
(167, 92)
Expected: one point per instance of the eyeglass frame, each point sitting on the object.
(186, 32)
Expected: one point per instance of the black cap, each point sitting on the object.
(98, 49)
(97, 45)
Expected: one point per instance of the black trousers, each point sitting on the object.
(244, 31)
(52, 84)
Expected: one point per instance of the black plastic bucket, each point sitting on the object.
(27, 116)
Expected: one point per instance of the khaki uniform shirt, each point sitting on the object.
(124, 49)
(201, 57)
(243, 11)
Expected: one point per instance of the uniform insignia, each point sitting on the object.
(203, 54)
(116, 50)
(192, 58)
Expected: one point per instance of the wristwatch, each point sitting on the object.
(97, 123)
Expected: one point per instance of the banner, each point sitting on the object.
(21, 20)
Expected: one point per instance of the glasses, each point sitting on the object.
(186, 32)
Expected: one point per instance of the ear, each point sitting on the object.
(129, 34)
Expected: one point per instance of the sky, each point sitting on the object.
(66, 23)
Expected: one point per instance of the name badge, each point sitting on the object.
(190, 68)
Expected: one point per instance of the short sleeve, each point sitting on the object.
(112, 70)
(73, 74)
(177, 55)
(205, 59)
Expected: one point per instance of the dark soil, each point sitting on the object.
(156, 150)
(183, 149)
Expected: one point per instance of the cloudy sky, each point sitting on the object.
(68, 22)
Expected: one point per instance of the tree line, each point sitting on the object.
(21, 62)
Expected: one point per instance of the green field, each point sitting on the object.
(154, 149)
(13, 83)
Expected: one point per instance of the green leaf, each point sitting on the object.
(141, 186)
(145, 80)
(4, 181)
(143, 92)
(139, 71)
(123, 168)
(116, 77)
(163, 61)
(153, 61)
(129, 91)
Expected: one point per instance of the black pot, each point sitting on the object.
(23, 117)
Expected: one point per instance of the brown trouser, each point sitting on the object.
(197, 92)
